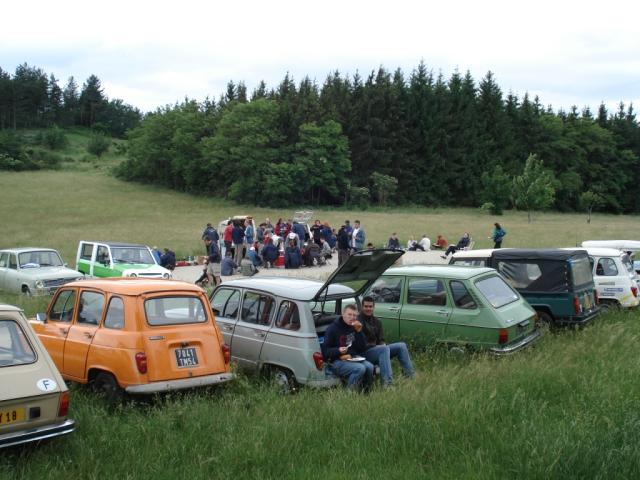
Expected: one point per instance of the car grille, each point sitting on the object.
(56, 282)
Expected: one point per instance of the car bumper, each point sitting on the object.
(326, 383)
(578, 320)
(168, 385)
(519, 345)
(36, 434)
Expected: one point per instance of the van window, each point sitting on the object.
(115, 314)
(62, 310)
(225, 303)
(469, 262)
(87, 249)
(461, 296)
(257, 308)
(496, 291)
(174, 310)
(13, 264)
(103, 254)
(386, 289)
(606, 268)
(581, 271)
(4, 260)
(426, 291)
(626, 261)
(15, 349)
(520, 274)
(288, 316)
(90, 310)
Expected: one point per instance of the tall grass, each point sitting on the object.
(570, 408)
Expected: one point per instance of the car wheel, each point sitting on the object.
(544, 320)
(284, 380)
(106, 385)
(26, 290)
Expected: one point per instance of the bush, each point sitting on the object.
(98, 144)
(55, 138)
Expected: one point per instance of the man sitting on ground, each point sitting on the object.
(462, 243)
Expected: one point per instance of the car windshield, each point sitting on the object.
(14, 346)
(39, 258)
(132, 255)
(174, 310)
(496, 291)
(626, 261)
(581, 269)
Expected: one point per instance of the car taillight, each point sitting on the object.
(141, 362)
(318, 360)
(576, 305)
(503, 337)
(634, 290)
(63, 408)
(226, 353)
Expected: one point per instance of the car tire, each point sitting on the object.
(284, 380)
(26, 291)
(106, 385)
(606, 307)
(545, 320)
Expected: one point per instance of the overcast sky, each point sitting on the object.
(153, 53)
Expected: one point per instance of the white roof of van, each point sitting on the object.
(599, 251)
(632, 245)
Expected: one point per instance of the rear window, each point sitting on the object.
(626, 261)
(174, 311)
(581, 270)
(15, 349)
(497, 292)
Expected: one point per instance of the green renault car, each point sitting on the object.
(461, 307)
(115, 259)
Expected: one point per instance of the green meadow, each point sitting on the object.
(568, 408)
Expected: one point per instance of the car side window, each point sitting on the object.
(90, 309)
(288, 316)
(426, 291)
(461, 296)
(225, 303)
(103, 254)
(257, 308)
(4, 260)
(386, 289)
(115, 314)
(13, 263)
(520, 274)
(606, 267)
(62, 310)
(87, 250)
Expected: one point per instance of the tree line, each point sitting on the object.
(32, 99)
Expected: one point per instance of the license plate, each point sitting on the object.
(186, 357)
(587, 303)
(12, 415)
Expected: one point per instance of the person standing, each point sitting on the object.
(343, 245)
(248, 231)
(238, 240)
(358, 236)
(227, 237)
(378, 352)
(213, 261)
(316, 231)
(497, 235)
(344, 340)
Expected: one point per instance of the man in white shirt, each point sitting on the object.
(425, 242)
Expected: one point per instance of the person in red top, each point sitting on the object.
(227, 237)
(441, 243)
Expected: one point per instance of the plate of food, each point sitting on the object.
(356, 359)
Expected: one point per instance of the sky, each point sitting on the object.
(156, 53)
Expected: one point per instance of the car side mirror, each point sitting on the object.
(41, 317)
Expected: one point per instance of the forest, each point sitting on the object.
(388, 139)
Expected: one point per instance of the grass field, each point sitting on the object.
(570, 408)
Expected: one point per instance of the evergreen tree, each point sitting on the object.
(70, 102)
(91, 102)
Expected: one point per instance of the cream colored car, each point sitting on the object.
(34, 399)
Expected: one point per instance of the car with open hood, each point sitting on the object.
(459, 307)
(34, 271)
(139, 336)
(117, 259)
(276, 325)
(34, 399)
(557, 283)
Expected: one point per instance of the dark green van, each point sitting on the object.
(557, 283)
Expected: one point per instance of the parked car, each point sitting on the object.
(112, 259)
(630, 247)
(557, 283)
(137, 335)
(33, 271)
(276, 325)
(461, 307)
(34, 400)
(614, 277)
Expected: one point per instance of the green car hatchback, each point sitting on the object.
(464, 307)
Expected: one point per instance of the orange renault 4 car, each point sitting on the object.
(137, 335)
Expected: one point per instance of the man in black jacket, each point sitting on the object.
(344, 246)
(378, 352)
(344, 345)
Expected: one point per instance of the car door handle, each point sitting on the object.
(227, 328)
(444, 313)
(64, 331)
(88, 335)
(394, 309)
(260, 334)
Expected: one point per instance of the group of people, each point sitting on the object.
(354, 344)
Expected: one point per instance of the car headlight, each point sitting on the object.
(39, 284)
(165, 275)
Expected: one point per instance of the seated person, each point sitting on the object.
(312, 254)
(441, 243)
(168, 260)
(254, 257)
(325, 250)
(393, 242)
(292, 255)
(227, 265)
(425, 243)
(462, 243)
(270, 253)
(413, 245)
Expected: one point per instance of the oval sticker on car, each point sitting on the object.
(46, 384)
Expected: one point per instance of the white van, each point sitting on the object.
(614, 277)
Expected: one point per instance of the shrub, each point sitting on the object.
(55, 138)
(98, 144)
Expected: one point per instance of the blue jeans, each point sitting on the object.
(358, 374)
(381, 355)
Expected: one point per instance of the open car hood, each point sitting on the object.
(359, 272)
